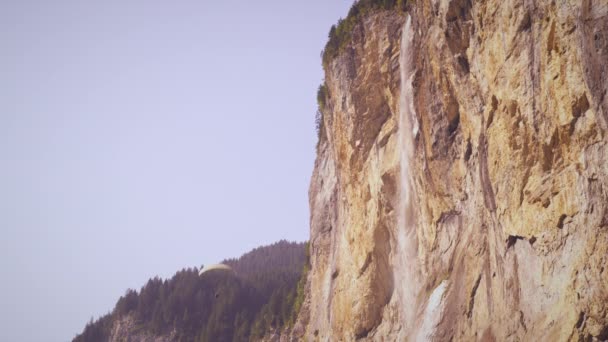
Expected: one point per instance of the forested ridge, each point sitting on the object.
(263, 293)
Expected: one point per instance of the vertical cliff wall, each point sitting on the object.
(460, 189)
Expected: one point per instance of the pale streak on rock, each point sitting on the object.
(509, 176)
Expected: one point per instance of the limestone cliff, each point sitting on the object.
(460, 190)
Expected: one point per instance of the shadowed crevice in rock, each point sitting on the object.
(472, 296)
(484, 175)
(561, 220)
(512, 239)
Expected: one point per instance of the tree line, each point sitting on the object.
(264, 293)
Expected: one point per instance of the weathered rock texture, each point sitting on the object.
(509, 178)
(127, 329)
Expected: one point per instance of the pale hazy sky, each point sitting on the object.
(141, 137)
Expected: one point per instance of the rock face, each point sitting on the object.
(126, 329)
(460, 189)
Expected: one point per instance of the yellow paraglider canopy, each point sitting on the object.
(208, 268)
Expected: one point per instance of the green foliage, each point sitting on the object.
(339, 37)
(340, 34)
(322, 95)
(218, 306)
(97, 331)
(300, 290)
(282, 310)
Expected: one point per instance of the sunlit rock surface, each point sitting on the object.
(498, 229)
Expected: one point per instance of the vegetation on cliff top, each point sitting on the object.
(265, 295)
(338, 38)
(322, 95)
(340, 34)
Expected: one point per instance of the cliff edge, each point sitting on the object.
(460, 190)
